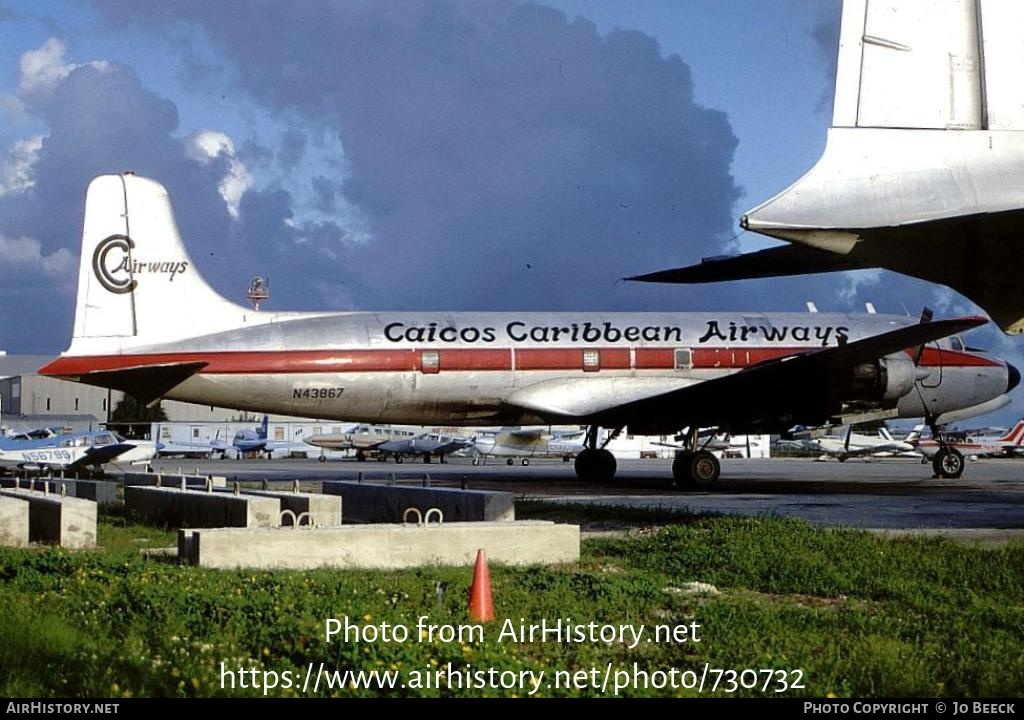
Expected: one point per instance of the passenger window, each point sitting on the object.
(683, 359)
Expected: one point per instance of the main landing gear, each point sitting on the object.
(596, 464)
(695, 468)
(948, 462)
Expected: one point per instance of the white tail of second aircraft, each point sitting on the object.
(137, 284)
(1016, 436)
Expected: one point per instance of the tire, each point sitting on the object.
(399, 459)
(322, 459)
(597, 466)
(948, 463)
(526, 461)
(510, 462)
(704, 470)
(476, 461)
(696, 470)
(681, 469)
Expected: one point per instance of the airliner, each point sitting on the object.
(148, 324)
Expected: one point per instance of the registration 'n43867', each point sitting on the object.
(317, 393)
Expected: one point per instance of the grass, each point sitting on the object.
(858, 614)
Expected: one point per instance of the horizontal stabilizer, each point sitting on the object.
(773, 262)
(145, 383)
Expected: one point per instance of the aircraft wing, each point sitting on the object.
(528, 433)
(98, 455)
(778, 391)
(772, 262)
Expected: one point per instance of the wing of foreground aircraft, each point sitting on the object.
(923, 169)
(765, 395)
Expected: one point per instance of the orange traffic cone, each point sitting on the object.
(481, 608)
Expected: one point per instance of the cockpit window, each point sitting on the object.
(956, 344)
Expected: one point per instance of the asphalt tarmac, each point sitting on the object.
(891, 495)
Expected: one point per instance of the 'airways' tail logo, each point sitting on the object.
(114, 267)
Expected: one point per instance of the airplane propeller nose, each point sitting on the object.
(1012, 377)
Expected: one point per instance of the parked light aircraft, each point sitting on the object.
(361, 438)
(653, 372)
(424, 445)
(74, 452)
(848, 444)
(526, 443)
(923, 169)
(1010, 444)
(256, 441)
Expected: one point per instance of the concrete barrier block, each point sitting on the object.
(172, 507)
(102, 492)
(373, 503)
(384, 546)
(193, 482)
(14, 519)
(69, 522)
(324, 510)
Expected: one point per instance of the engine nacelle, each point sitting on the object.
(885, 380)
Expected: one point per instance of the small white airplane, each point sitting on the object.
(923, 169)
(1010, 444)
(845, 445)
(74, 452)
(656, 373)
(524, 444)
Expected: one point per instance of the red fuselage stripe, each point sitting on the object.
(451, 359)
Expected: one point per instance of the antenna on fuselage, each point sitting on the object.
(258, 291)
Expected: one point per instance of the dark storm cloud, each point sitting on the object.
(100, 119)
(291, 149)
(501, 155)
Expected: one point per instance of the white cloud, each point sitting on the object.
(43, 69)
(853, 281)
(11, 107)
(16, 169)
(205, 145)
(25, 253)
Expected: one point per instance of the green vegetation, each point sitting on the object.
(859, 615)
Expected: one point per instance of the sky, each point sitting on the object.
(426, 154)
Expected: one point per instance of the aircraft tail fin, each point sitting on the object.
(914, 435)
(1015, 436)
(263, 428)
(137, 284)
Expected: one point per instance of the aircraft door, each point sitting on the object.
(931, 359)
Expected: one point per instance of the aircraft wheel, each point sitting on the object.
(595, 465)
(526, 461)
(322, 459)
(841, 458)
(476, 461)
(681, 468)
(704, 469)
(360, 456)
(510, 461)
(948, 463)
(426, 458)
(399, 459)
